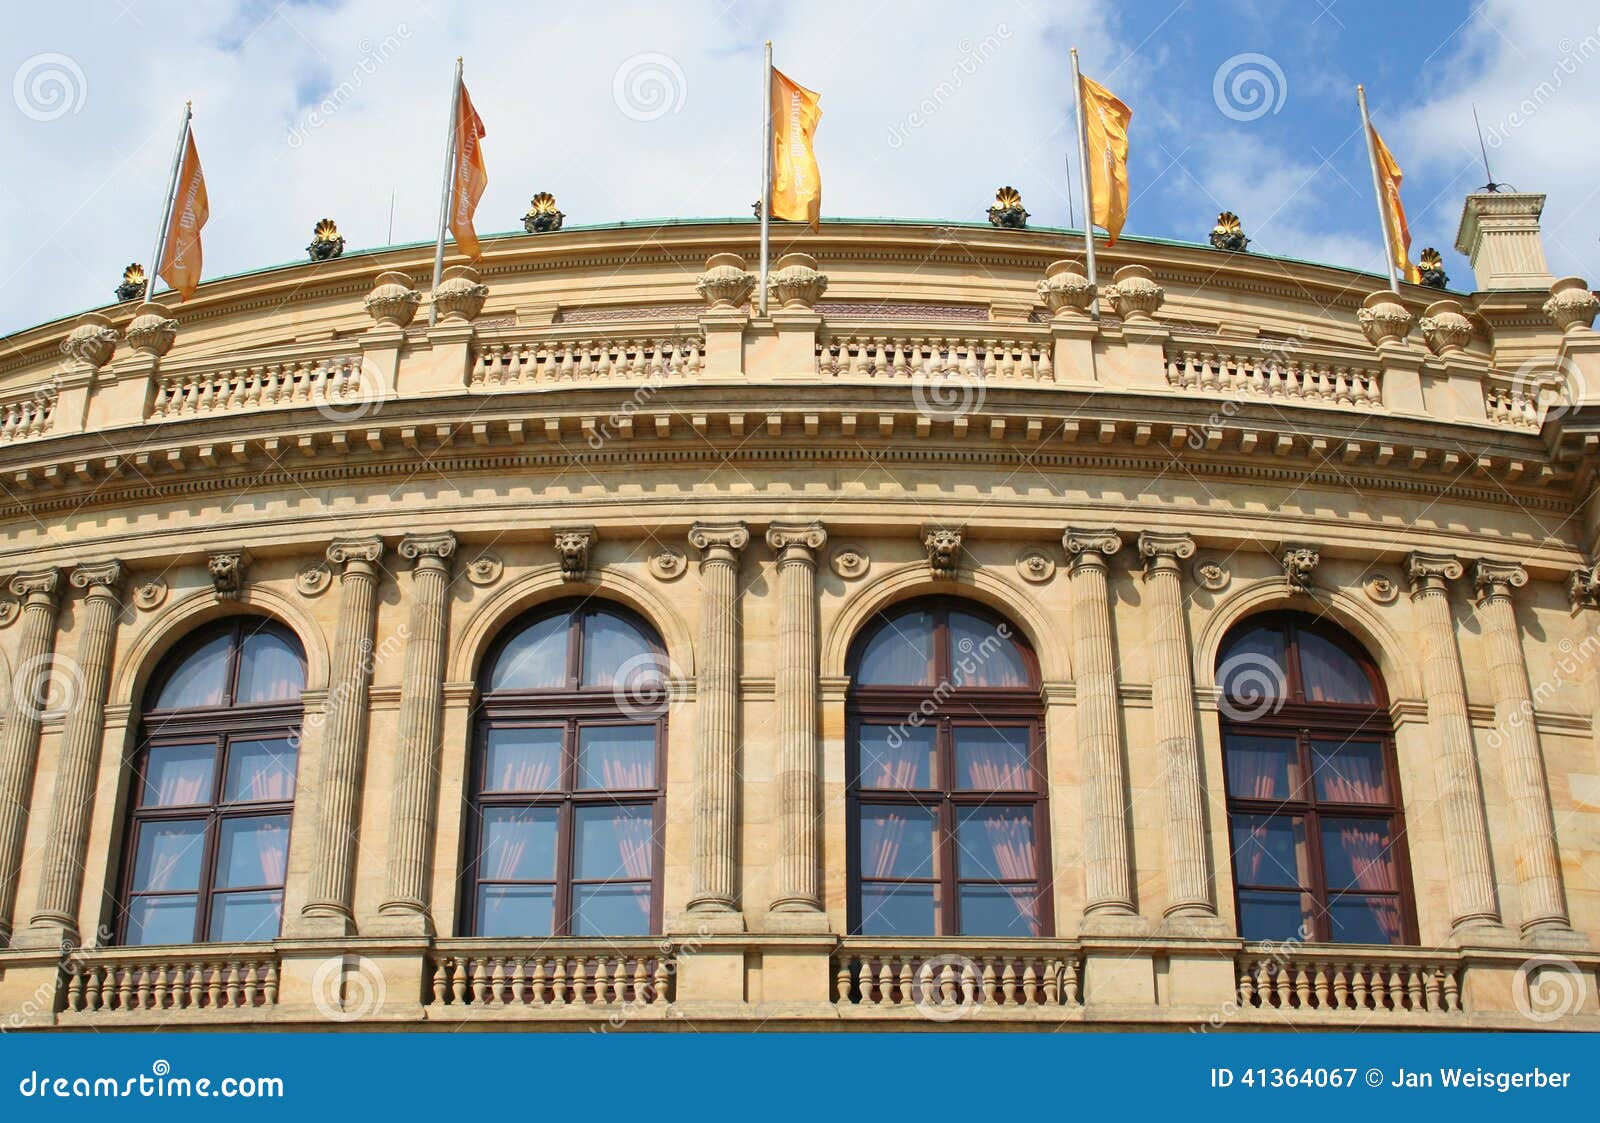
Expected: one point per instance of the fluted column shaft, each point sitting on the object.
(61, 879)
(1189, 881)
(1544, 904)
(717, 796)
(31, 685)
(1471, 890)
(798, 888)
(331, 886)
(416, 777)
(1108, 884)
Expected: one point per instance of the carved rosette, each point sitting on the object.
(460, 295)
(150, 592)
(1133, 292)
(1381, 589)
(1445, 327)
(1584, 587)
(9, 611)
(153, 330)
(1036, 566)
(1212, 575)
(313, 578)
(393, 301)
(485, 569)
(1384, 319)
(943, 544)
(227, 569)
(668, 563)
(92, 341)
(1299, 567)
(850, 562)
(1497, 579)
(1571, 305)
(573, 544)
(1090, 545)
(795, 283)
(1066, 291)
(726, 284)
(1430, 573)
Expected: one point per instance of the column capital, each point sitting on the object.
(437, 547)
(348, 553)
(98, 575)
(728, 538)
(1497, 579)
(797, 541)
(1090, 545)
(1431, 573)
(36, 586)
(1163, 551)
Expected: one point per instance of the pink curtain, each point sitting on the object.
(178, 789)
(1260, 853)
(523, 774)
(1329, 675)
(634, 842)
(995, 767)
(881, 837)
(1352, 778)
(165, 863)
(274, 844)
(1254, 773)
(271, 779)
(1011, 840)
(893, 768)
(508, 857)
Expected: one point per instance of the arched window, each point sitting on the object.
(566, 778)
(1313, 790)
(948, 830)
(208, 833)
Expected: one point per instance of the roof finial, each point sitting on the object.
(1491, 187)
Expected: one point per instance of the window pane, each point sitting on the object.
(1364, 920)
(519, 844)
(610, 910)
(993, 758)
(516, 910)
(617, 757)
(1350, 771)
(270, 669)
(169, 856)
(899, 910)
(897, 842)
(252, 851)
(523, 759)
(259, 770)
(995, 842)
(896, 757)
(236, 917)
(999, 910)
(984, 654)
(536, 659)
(1252, 672)
(1329, 674)
(178, 775)
(613, 843)
(900, 653)
(161, 920)
(614, 651)
(1262, 767)
(1357, 855)
(1270, 850)
(1274, 916)
(200, 679)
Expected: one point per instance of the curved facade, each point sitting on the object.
(583, 588)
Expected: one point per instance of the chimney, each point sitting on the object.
(1499, 233)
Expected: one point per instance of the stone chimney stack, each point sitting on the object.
(1499, 233)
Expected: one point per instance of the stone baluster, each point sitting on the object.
(330, 892)
(416, 766)
(797, 889)
(1466, 836)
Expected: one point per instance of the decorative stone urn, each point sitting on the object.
(1066, 291)
(725, 284)
(460, 295)
(1133, 292)
(1445, 327)
(93, 341)
(1571, 305)
(1384, 319)
(393, 302)
(795, 283)
(153, 329)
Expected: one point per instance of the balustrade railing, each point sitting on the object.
(549, 359)
(602, 977)
(337, 382)
(1378, 981)
(193, 979)
(947, 979)
(24, 417)
(1519, 404)
(845, 352)
(1273, 374)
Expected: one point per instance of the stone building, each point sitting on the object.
(955, 644)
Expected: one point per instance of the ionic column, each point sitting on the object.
(1544, 903)
(1466, 833)
(61, 879)
(331, 887)
(416, 781)
(717, 796)
(1189, 882)
(1108, 883)
(31, 683)
(797, 889)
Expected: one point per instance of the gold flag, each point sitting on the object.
(796, 181)
(1106, 121)
(1395, 228)
(180, 260)
(471, 176)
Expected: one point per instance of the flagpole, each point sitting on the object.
(446, 193)
(1083, 179)
(1377, 191)
(766, 175)
(166, 206)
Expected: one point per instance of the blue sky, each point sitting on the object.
(640, 111)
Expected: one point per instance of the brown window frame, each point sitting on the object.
(986, 706)
(1306, 722)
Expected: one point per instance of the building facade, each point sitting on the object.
(955, 644)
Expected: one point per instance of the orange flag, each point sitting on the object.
(1106, 122)
(796, 181)
(471, 177)
(180, 259)
(1399, 234)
